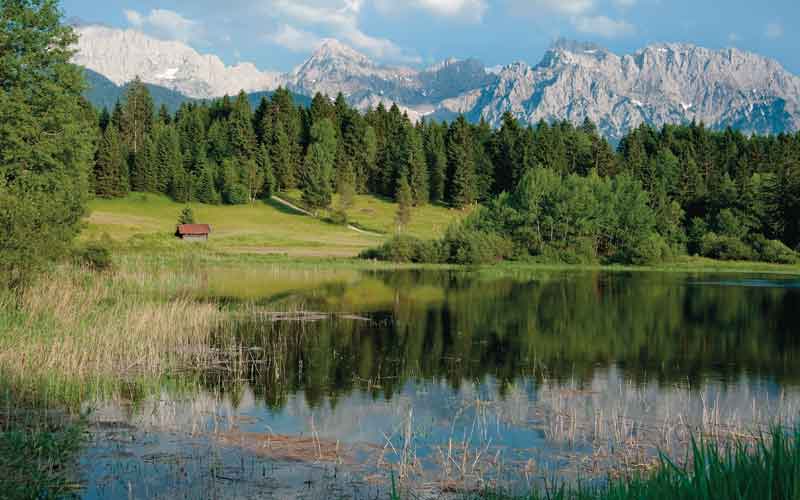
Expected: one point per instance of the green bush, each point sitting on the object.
(774, 251)
(650, 250)
(95, 255)
(468, 246)
(398, 249)
(725, 248)
(338, 217)
(580, 251)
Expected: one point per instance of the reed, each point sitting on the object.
(74, 331)
(744, 470)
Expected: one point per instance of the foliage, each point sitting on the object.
(767, 469)
(405, 199)
(46, 138)
(95, 254)
(187, 216)
(36, 459)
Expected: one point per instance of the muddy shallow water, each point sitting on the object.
(452, 381)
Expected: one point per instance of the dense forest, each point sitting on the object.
(553, 189)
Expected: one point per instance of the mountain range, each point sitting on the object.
(659, 84)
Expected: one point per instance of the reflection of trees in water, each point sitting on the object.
(655, 327)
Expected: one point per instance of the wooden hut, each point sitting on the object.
(193, 232)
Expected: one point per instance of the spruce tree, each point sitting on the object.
(417, 167)
(137, 116)
(282, 162)
(47, 137)
(205, 190)
(317, 175)
(405, 201)
(461, 164)
(111, 167)
(144, 177)
(346, 186)
(265, 167)
(437, 161)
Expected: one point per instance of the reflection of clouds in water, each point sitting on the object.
(608, 409)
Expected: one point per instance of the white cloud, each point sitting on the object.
(166, 24)
(337, 18)
(602, 26)
(468, 10)
(294, 39)
(774, 31)
(564, 7)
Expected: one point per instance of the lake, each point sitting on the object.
(334, 383)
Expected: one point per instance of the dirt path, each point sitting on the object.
(303, 211)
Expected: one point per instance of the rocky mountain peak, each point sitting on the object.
(330, 48)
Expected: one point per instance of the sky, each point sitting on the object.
(280, 34)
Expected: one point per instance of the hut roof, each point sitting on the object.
(194, 229)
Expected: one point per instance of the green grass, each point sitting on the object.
(261, 227)
(38, 454)
(768, 469)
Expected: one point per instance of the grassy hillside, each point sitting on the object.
(148, 219)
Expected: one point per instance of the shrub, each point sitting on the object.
(338, 217)
(650, 250)
(186, 217)
(774, 251)
(580, 251)
(468, 246)
(398, 249)
(95, 254)
(724, 248)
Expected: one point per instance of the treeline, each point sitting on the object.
(551, 189)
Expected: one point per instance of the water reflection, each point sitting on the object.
(461, 378)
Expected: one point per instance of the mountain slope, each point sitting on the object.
(664, 83)
(121, 55)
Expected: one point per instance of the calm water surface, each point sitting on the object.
(451, 381)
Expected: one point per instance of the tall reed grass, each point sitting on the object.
(766, 469)
(75, 330)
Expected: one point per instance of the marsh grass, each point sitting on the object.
(75, 330)
(766, 468)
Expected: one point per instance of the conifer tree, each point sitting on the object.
(417, 168)
(240, 128)
(318, 169)
(205, 190)
(461, 164)
(281, 159)
(137, 116)
(144, 177)
(437, 161)
(264, 164)
(346, 186)
(405, 201)
(111, 168)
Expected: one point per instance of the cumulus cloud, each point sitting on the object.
(468, 10)
(294, 39)
(602, 26)
(337, 18)
(165, 24)
(564, 7)
(774, 31)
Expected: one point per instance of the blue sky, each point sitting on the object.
(279, 34)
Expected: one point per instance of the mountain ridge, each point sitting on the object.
(658, 84)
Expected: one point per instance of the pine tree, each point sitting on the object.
(318, 169)
(282, 162)
(461, 164)
(187, 216)
(405, 201)
(168, 163)
(137, 116)
(346, 186)
(240, 128)
(111, 167)
(205, 190)
(144, 177)
(417, 168)
(265, 167)
(437, 161)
